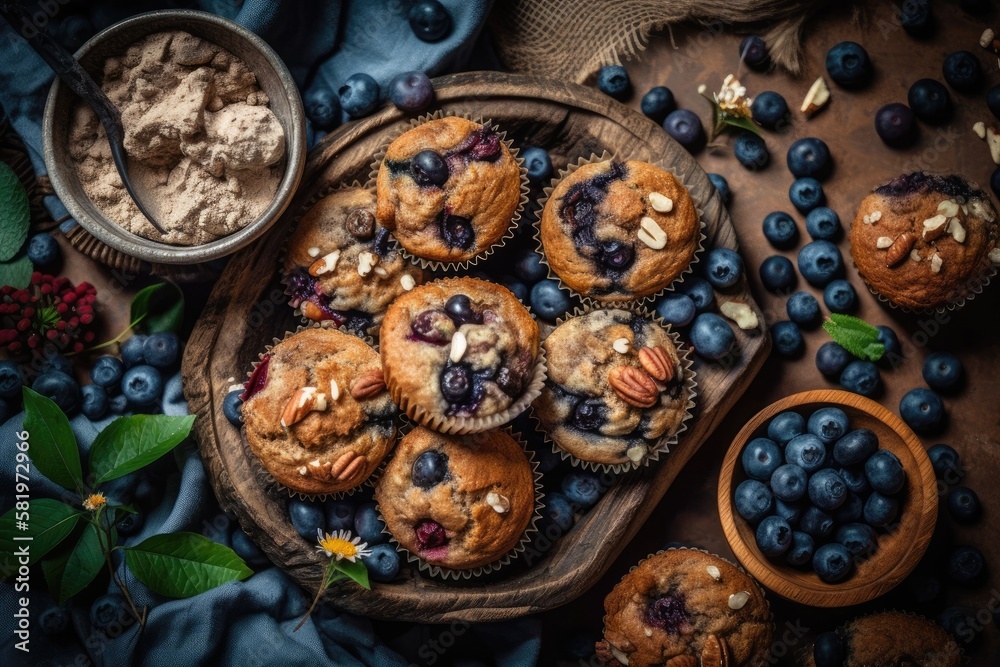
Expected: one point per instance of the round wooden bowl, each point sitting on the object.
(899, 550)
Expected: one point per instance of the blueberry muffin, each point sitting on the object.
(316, 412)
(448, 189)
(615, 387)
(681, 605)
(459, 353)
(457, 501)
(894, 639)
(341, 265)
(617, 231)
(924, 241)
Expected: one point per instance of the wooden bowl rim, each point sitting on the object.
(771, 574)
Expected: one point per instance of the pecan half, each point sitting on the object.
(900, 249)
(367, 385)
(715, 653)
(682, 661)
(313, 312)
(633, 386)
(347, 466)
(657, 363)
(302, 402)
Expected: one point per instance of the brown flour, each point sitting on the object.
(205, 151)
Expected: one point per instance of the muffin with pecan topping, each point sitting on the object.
(341, 266)
(457, 501)
(618, 231)
(448, 189)
(924, 241)
(316, 412)
(894, 638)
(460, 354)
(616, 387)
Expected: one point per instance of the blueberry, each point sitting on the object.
(110, 613)
(117, 404)
(538, 163)
(961, 624)
(943, 371)
(56, 362)
(777, 273)
(840, 297)
(808, 157)
(820, 262)
(132, 350)
(854, 477)
(723, 267)
(340, 514)
(720, 183)
(558, 512)
(700, 291)
(993, 100)
(828, 424)
(773, 536)
(383, 563)
(827, 489)
(411, 91)
(658, 102)
(801, 549)
(859, 538)
(789, 482)
(613, 80)
(751, 151)
(852, 510)
(53, 621)
(945, 461)
(685, 128)
(359, 94)
(529, 267)
(676, 309)
(461, 311)
(770, 110)
(785, 426)
(916, 17)
(457, 232)
(855, 447)
(806, 193)
(322, 107)
(667, 613)
(788, 510)
(161, 350)
(107, 372)
(132, 523)
(816, 523)
(780, 230)
(582, 488)
(753, 51)
(823, 223)
(232, 407)
(307, 517)
(456, 384)
(832, 562)
(11, 380)
(246, 549)
(787, 339)
(930, 101)
(94, 402)
(60, 388)
(966, 566)
(828, 649)
(588, 414)
(711, 336)
(896, 125)
(893, 350)
(616, 255)
(760, 458)
(963, 504)
(429, 469)
(368, 524)
(753, 500)
(142, 385)
(803, 309)
(43, 250)
(516, 287)
(880, 510)
(922, 410)
(807, 452)
(548, 301)
(962, 71)
(861, 377)
(848, 64)
(429, 20)
(429, 168)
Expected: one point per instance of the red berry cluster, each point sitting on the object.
(51, 309)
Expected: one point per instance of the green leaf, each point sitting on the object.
(129, 443)
(48, 521)
(16, 272)
(159, 307)
(355, 571)
(180, 565)
(14, 213)
(69, 574)
(855, 335)
(741, 122)
(52, 443)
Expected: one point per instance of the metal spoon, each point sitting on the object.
(73, 75)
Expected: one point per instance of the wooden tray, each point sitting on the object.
(247, 309)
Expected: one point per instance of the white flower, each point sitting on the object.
(341, 545)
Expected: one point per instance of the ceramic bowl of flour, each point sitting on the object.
(215, 134)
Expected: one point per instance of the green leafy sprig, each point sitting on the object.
(855, 335)
(158, 307)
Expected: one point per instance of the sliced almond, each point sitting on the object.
(334, 390)
(325, 264)
(949, 208)
(876, 216)
(936, 263)
(660, 202)
(636, 453)
(651, 234)
(934, 227)
(993, 141)
(739, 600)
(740, 313)
(366, 260)
(458, 347)
(867, 219)
(619, 656)
(883, 242)
(816, 98)
(313, 252)
(980, 129)
(986, 39)
(995, 256)
(956, 230)
(713, 572)
(621, 345)
(379, 271)
(407, 281)
(915, 255)
(499, 503)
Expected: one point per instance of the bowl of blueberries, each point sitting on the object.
(827, 498)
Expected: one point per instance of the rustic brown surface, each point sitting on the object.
(571, 121)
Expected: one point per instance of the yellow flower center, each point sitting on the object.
(337, 546)
(94, 501)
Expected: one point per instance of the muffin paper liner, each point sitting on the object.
(625, 303)
(293, 223)
(951, 306)
(258, 468)
(661, 446)
(450, 573)
(756, 661)
(436, 265)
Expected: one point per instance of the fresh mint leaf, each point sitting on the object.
(180, 565)
(855, 335)
(14, 214)
(48, 523)
(52, 443)
(68, 574)
(129, 443)
(16, 272)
